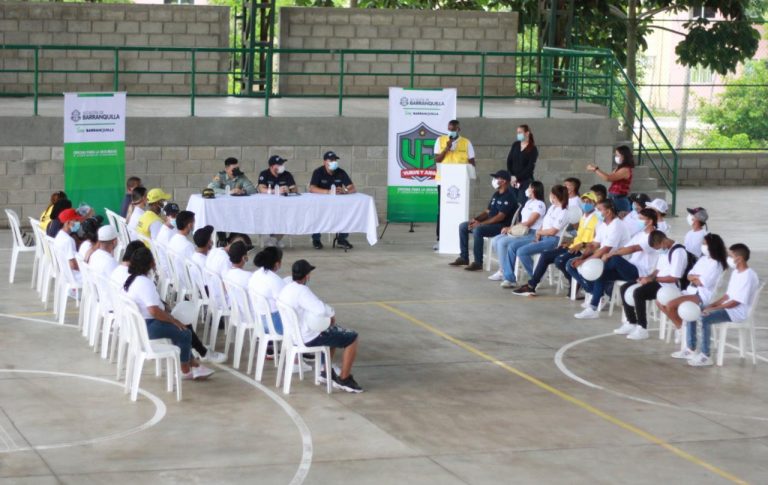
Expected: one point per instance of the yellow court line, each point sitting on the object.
(565, 396)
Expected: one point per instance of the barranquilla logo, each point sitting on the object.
(415, 153)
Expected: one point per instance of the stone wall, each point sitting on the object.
(710, 169)
(385, 29)
(89, 24)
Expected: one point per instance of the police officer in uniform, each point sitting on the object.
(326, 179)
(233, 178)
(276, 176)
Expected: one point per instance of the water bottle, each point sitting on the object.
(269, 189)
(227, 190)
(333, 189)
(277, 190)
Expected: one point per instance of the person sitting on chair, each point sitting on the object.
(330, 179)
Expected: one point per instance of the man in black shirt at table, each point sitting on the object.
(326, 180)
(276, 176)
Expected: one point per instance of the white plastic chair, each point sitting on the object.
(51, 272)
(112, 218)
(263, 315)
(293, 346)
(18, 245)
(198, 295)
(241, 321)
(218, 305)
(745, 328)
(142, 349)
(65, 282)
(40, 261)
(488, 246)
(519, 266)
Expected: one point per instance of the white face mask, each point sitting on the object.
(495, 184)
(280, 169)
(689, 219)
(731, 262)
(332, 166)
(705, 250)
(617, 159)
(528, 193)
(554, 201)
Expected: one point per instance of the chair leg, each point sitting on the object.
(170, 369)
(35, 271)
(663, 326)
(239, 341)
(280, 364)
(328, 372)
(252, 350)
(721, 346)
(137, 368)
(261, 356)
(288, 370)
(742, 342)
(105, 336)
(14, 260)
(177, 375)
(752, 343)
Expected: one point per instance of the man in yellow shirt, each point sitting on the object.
(150, 221)
(567, 251)
(451, 149)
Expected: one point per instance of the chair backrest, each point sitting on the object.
(13, 221)
(241, 307)
(132, 321)
(574, 214)
(64, 269)
(290, 319)
(263, 311)
(123, 233)
(754, 303)
(196, 280)
(217, 295)
(50, 255)
(37, 234)
(105, 290)
(178, 269)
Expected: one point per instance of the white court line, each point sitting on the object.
(38, 320)
(306, 435)
(565, 370)
(160, 411)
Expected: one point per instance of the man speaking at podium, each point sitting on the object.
(451, 148)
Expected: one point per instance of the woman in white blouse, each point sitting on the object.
(266, 283)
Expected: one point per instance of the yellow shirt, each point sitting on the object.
(45, 218)
(586, 232)
(145, 222)
(461, 152)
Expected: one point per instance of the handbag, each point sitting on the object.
(518, 230)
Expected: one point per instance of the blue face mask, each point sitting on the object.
(453, 134)
(521, 137)
(600, 217)
(639, 226)
(332, 166)
(587, 207)
(75, 227)
(173, 223)
(662, 251)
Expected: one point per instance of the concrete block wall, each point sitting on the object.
(88, 24)
(717, 169)
(386, 29)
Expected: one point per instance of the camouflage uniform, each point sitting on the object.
(222, 180)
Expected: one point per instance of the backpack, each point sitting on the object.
(690, 261)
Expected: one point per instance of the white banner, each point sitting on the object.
(94, 117)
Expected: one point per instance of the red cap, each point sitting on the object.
(69, 215)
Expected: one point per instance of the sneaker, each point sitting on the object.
(497, 276)
(347, 384)
(686, 354)
(308, 357)
(700, 360)
(525, 290)
(304, 367)
(187, 376)
(580, 295)
(201, 372)
(343, 244)
(322, 379)
(474, 266)
(625, 329)
(280, 244)
(586, 304)
(270, 242)
(639, 333)
(436, 246)
(317, 244)
(213, 356)
(587, 314)
(507, 284)
(459, 262)
(270, 352)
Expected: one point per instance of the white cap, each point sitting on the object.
(107, 233)
(659, 204)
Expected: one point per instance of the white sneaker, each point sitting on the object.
(683, 354)
(678, 335)
(213, 356)
(639, 333)
(201, 372)
(497, 276)
(507, 284)
(625, 329)
(587, 314)
(700, 360)
(304, 368)
(586, 303)
(270, 242)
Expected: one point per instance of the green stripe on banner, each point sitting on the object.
(95, 95)
(94, 174)
(411, 204)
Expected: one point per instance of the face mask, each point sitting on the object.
(635, 209)
(731, 262)
(521, 137)
(553, 201)
(528, 193)
(75, 227)
(332, 166)
(600, 217)
(689, 218)
(587, 207)
(705, 250)
(453, 134)
(495, 183)
(662, 251)
(173, 223)
(639, 226)
(237, 172)
(617, 159)
(281, 169)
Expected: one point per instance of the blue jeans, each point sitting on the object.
(276, 321)
(574, 274)
(503, 245)
(546, 258)
(478, 233)
(616, 268)
(717, 316)
(621, 202)
(180, 338)
(525, 253)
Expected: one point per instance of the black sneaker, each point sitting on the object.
(308, 357)
(347, 384)
(317, 244)
(459, 262)
(525, 290)
(343, 244)
(270, 351)
(323, 379)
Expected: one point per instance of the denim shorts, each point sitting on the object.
(334, 336)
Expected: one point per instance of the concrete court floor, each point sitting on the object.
(461, 379)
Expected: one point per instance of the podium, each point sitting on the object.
(454, 204)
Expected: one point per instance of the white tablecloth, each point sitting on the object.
(302, 214)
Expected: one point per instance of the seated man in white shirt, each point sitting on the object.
(138, 204)
(298, 296)
(203, 243)
(238, 256)
(64, 244)
(218, 258)
(170, 211)
(180, 245)
(734, 306)
(697, 219)
(100, 259)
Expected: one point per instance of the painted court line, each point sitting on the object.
(566, 397)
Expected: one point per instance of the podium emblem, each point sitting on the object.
(415, 153)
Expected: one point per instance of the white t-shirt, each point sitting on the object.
(154, 229)
(693, 240)
(218, 261)
(144, 293)
(102, 262)
(644, 260)
(741, 288)
(531, 206)
(300, 298)
(134, 221)
(674, 266)
(64, 246)
(555, 218)
(238, 276)
(267, 284)
(119, 275)
(164, 235)
(85, 246)
(199, 259)
(612, 235)
(180, 245)
(708, 271)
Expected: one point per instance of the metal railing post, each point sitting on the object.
(674, 183)
(610, 88)
(192, 80)
(116, 74)
(639, 138)
(268, 84)
(413, 68)
(36, 76)
(482, 82)
(550, 82)
(341, 82)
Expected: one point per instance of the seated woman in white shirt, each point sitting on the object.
(702, 278)
(531, 216)
(266, 283)
(88, 235)
(697, 219)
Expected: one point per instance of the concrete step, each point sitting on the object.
(644, 184)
